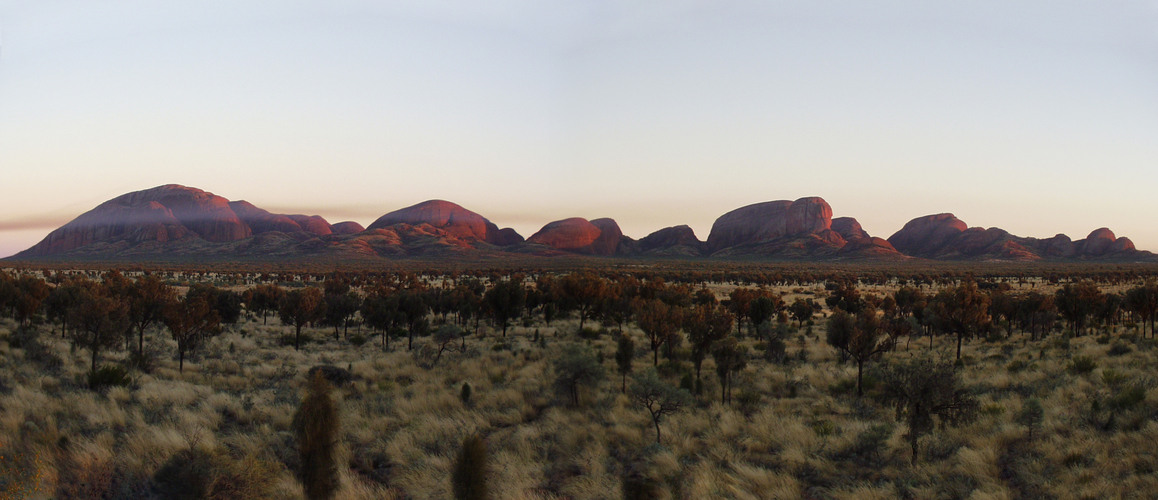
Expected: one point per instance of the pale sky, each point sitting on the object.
(1039, 117)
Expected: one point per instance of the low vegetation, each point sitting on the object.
(574, 385)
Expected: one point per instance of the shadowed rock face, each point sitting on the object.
(312, 224)
(451, 218)
(768, 221)
(578, 235)
(261, 221)
(671, 237)
(848, 228)
(347, 227)
(943, 236)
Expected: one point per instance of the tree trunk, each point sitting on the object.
(913, 445)
(181, 359)
(624, 388)
(656, 422)
(859, 372)
(959, 337)
(297, 337)
(410, 343)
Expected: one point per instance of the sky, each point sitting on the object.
(1036, 116)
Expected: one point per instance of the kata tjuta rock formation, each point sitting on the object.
(453, 219)
(183, 224)
(945, 237)
(801, 228)
(579, 235)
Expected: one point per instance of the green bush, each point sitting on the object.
(1119, 348)
(109, 376)
(1081, 365)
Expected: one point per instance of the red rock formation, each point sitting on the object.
(670, 237)
(574, 234)
(261, 221)
(313, 224)
(768, 221)
(925, 236)
(849, 228)
(452, 218)
(347, 227)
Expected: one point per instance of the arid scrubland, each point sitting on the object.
(794, 427)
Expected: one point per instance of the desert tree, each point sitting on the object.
(1077, 302)
(444, 336)
(263, 299)
(380, 312)
(924, 391)
(469, 478)
(576, 366)
(583, 292)
(63, 298)
(801, 310)
(624, 354)
(730, 357)
(1031, 415)
(659, 321)
(658, 397)
(98, 320)
(340, 310)
(861, 337)
(189, 320)
(147, 299)
(846, 297)
(1143, 302)
(31, 293)
(316, 426)
(302, 307)
(963, 310)
(412, 308)
(505, 301)
(706, 324)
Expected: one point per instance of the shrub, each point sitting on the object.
(1119, 348)
(1081, 365)
(109, 376)
(316, 426)
(358, 340)
(200, 474)
(464, 394)
(469, 479)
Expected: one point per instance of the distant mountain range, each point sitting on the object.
(174, 222)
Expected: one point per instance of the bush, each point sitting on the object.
(109, 376)
(1081, 365)
(357, 340)
(866, 449)
(469, 479)
(465, 393)
(316, 426)
(200, 474)
(1119, 348)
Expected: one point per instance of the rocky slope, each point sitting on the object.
(453, 219)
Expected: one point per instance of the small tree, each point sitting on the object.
(730, 358)
(658, 397)
(624, 354)
(659, 321)
(469, 479)
(98, 320)
(859, 337)
(148, 298)
(1030, 415)
(302, 307)
(444, 336)
(189, 320)
(705, 325)
(505, 302)
(922, 389)
(316, 425)
(576, 366)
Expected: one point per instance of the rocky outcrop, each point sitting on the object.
(928, 235)
(768, 221)
(451, 218)
(945, 237)
(313, 224)
(680, 240)
(848, 228)
(578, 235)
(347, 227)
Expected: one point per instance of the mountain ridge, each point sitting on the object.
(174, 221)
